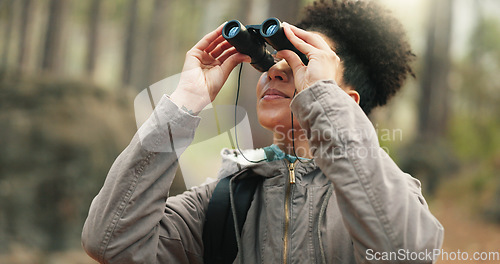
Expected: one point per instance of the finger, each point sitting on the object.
(233, 60)
(205, 58)
(226, 54)
(301, 44)
(220, 49)
(309, 37)
(291, 58)
(214, 44)
(209, 38)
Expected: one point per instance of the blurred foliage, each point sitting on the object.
(430, 162)
(58, 139)
(475, 127)
(467, 159)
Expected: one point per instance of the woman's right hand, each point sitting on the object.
(206, 69)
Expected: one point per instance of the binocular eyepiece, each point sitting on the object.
(251, 40)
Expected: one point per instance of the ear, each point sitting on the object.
(354, 95)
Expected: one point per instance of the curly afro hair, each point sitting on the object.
(371, 44)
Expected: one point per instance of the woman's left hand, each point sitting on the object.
(324, 64)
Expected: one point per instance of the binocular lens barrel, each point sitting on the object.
(274, 34)
(269, 27)
(231, 29)
(248, 42)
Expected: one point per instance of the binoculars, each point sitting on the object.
(251, 40)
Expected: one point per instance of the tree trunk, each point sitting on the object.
(24, 35)
(52, 51)
(430, 158)
(130, 32)
(156, 52)
(433, 105)
(93, 37)
(9, 6)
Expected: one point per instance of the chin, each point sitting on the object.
(274, 120)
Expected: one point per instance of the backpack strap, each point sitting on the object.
(219, 235)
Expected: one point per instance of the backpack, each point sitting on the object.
(219, 231)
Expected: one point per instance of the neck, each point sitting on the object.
(286, 144)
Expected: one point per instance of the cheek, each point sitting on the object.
(260, 84)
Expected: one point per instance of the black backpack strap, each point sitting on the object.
(219, 236)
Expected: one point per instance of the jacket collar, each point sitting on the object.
(233, 161)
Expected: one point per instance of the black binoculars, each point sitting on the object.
(251, 40)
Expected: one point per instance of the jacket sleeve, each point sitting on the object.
(129, 220)
(382, 207)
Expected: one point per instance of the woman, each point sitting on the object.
(343, 201)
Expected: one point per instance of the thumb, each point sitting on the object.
(233, 60)
(291, 58)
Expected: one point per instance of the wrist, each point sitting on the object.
(189, 102)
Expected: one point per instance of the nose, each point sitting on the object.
(279, 71)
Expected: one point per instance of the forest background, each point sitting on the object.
(70, 72)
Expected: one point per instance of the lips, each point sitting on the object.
(271, 94)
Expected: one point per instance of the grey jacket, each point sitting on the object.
(351, 205)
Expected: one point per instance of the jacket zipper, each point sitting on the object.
(288, 201)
